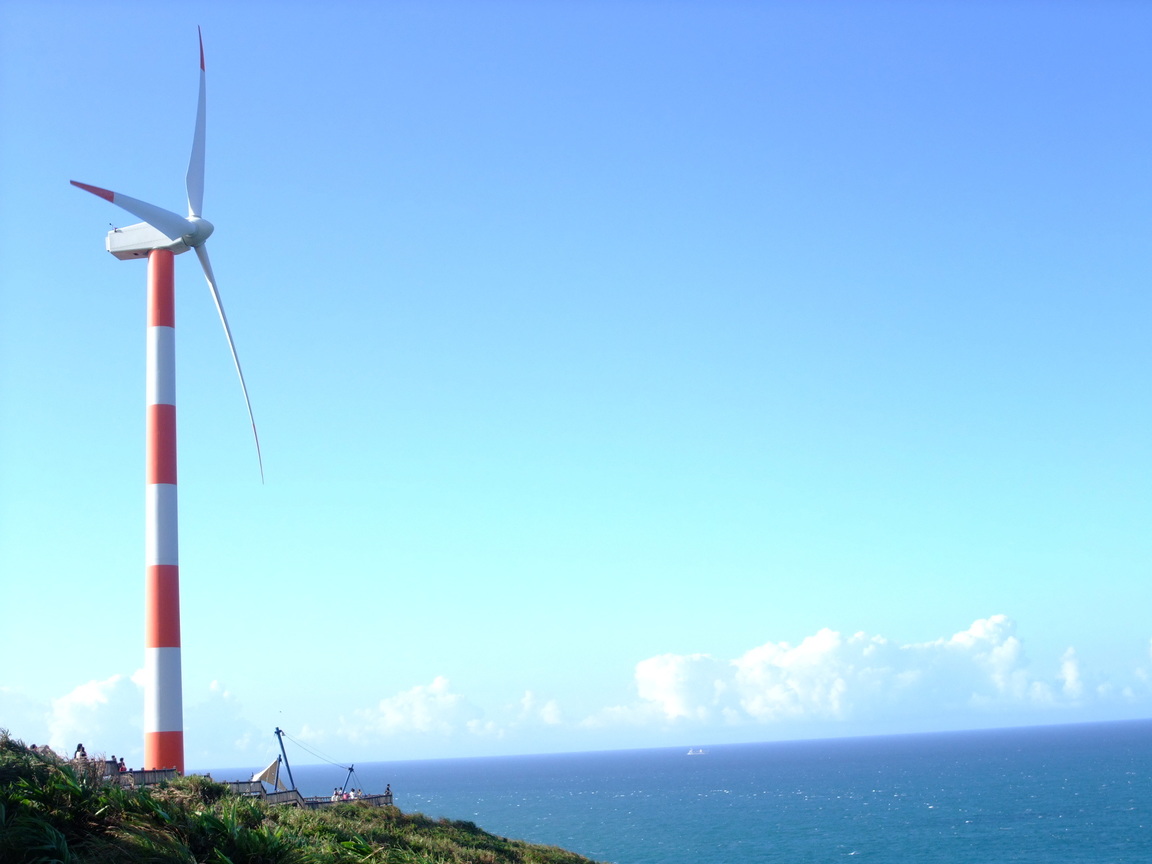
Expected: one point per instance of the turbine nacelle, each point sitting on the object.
(136, 241)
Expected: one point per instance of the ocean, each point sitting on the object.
(1048, 795)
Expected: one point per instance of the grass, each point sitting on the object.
(52, 810)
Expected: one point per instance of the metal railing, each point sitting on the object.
(316, 802)
(143, 778)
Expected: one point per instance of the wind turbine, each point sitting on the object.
(161, 236)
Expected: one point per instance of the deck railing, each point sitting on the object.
(255, 789)
(290, 797)
(248, 788)
(316, 802)
(143, 778)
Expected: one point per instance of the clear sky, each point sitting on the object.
(627, 373)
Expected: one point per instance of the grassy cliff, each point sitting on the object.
(57, 811)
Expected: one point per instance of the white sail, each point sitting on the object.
(271, 774)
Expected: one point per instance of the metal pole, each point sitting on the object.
(280, 738)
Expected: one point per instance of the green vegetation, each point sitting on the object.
(57, 811)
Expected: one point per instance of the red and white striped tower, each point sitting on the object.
(163, 701)
(160, 237)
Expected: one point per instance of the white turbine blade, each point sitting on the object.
(202, 254)
(195, 178)
(171, 225)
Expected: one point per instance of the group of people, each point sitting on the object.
(44, 750)
(81, 755)
(339, 794)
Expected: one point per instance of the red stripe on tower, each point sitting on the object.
(161, 288)
(161, 429)
(162, 594)
(164, 750)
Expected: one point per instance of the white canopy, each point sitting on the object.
(271, 774)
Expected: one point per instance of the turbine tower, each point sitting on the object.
(159, 238)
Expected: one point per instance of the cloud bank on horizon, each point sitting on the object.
(830, 677)
(828, 684)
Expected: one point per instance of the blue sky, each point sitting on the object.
(627, 374)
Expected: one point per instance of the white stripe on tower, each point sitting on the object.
(163, 701)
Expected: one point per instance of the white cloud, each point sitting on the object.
(828, 683)
(777, 681)
(433, 719)
(106, 716)
(690, 686)
(532, 710)
(1072, 686)
(425, 708)
(103, 715)
(974, 674)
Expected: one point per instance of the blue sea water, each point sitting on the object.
(1048, 795)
